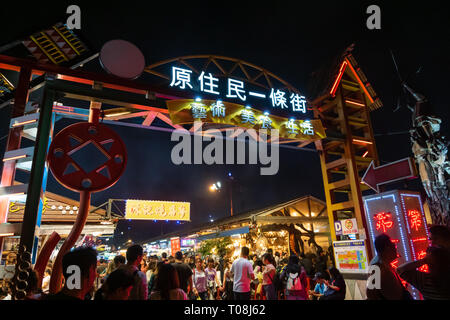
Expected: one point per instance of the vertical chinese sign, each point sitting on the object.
(400, 215)
(175, 245)
(416, 225)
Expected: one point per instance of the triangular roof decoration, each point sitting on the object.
(349, 66)
(325, 81)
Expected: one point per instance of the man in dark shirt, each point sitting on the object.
(434, 284)
(184, 272)
(134, 258)
(76, 289)
(390, 283)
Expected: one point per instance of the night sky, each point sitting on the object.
(289, 40)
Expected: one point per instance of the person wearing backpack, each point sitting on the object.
(269, 273)
(295, 277)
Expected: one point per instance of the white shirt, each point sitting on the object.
(148, 274)
(242, 273)
(46, 284)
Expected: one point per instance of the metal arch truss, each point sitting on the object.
(147, 119)
(262, 78)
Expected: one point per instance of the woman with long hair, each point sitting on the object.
(144, 265)
(295, 280)
(151, 280)
(115, 264)
(151, 268)
(269, 273)
(167, 285)
(212, 280)
(199, 280)
(336, 287)
(227, 284)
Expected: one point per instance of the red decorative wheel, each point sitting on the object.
(87, 157)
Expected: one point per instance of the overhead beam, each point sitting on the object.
(293, 220)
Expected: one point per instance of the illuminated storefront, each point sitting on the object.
(58, 215)
(286, 227)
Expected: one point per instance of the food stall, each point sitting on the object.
(299, 225)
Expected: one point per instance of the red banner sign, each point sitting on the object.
(175, 245)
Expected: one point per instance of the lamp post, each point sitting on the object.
(216, 187)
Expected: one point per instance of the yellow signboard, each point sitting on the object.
(187, 111)
(157, 210)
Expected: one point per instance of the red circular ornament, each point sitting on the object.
(122, 59)
(87, 157)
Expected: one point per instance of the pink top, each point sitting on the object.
(268, 274)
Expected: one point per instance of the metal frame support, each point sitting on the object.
(14, 139)
(34, 203)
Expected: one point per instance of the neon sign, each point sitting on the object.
(400, 215)
(181, 78)
(414, 219)
(383, 221)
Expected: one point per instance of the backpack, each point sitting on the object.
(293, 282)
(277, 282)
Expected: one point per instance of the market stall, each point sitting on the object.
(298, 226)
(59, 214)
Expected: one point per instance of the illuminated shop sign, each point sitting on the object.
(183, 78)
(187, 242)
(187, 111)
(163, 244)
(400, 215)
(157, 210)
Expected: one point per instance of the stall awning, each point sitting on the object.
(14, 229)
(64, 230)
(222, 234)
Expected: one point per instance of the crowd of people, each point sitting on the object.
(269, 276)
(189, 276)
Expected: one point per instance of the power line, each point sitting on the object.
(391, 133)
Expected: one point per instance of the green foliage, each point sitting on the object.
(220, 244)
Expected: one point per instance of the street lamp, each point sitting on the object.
(218, 186)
